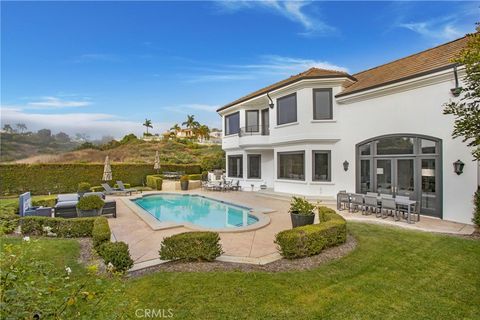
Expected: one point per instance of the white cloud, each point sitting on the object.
(268, 66)
(56, 103)
(292, 10)
(94, 124)
(434, 30)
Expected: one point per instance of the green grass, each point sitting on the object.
(393, 274)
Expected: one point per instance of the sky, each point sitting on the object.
(101, 68)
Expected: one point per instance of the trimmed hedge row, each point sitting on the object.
(312, 239)
(191, 246)
(100, 232)
(65, 177)
(65, 228)
(195, 177)
(155, 181)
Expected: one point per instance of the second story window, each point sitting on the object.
(322, 104)
(232, 123)
(251, 119)
(287, 109)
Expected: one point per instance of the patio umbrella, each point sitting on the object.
(107, 170)
(156, 165)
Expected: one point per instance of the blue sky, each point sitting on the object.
(101, 68)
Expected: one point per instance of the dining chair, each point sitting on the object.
(343, 201)
(356, 202)
(389, 206)
(371, 204)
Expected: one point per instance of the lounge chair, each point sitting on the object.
(121, 186)
(66, 206)
(26, 208)
(111, 191)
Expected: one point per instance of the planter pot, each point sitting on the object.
(89, 213)
(184, 185)
(299, 220)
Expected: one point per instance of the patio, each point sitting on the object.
(255, 246)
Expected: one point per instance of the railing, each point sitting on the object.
(254, 130)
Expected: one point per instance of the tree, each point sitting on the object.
(82, 136)
(8, 128)
(21, 127)
(176, 128)
(62, 137)
(204, 132)
(466, 109)
(147, 124)
(191, 123)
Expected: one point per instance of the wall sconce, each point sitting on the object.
(271, 101)
(345, 165)
(458, 167)
(457, 90)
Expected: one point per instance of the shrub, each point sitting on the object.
(476, 212)
(184, 178)
(191, 246)
(126, 185)
(8, 218)
(155, 182)
(90, 203)
(97, 189)
(117, 254)
(100, 231)
(312, 239)
(204, 175)
(64, 177)
(195, 177)
(83, 187)
(44, 202)
(301, 206)
(66, 228)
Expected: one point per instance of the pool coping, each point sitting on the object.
(154, 224)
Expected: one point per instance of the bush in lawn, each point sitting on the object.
(195, 177)
(97, 189)
(92, 202)
(8, 218)
(44, 202)
(476, 212)
(204, 175)
(126, 185)
(83, 187)
(65, 228)
(100, 231)
(312, 239)
(191, 246)
(154, 181)
(117, 254)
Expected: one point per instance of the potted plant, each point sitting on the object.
(184, 182)
(301, 212)
(83, 187)
(90, 206)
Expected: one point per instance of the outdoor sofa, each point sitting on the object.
(26, 209)
(66, 206)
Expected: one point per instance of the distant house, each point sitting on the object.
(215, 136)
(379, 130)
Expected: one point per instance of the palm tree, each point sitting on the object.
(21, 127)
(191, 123)
(8, 128)
(176, 128)
(147, 124)
(204, 132)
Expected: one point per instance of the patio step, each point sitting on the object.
(268, 193)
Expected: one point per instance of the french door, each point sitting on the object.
(265, 122)
(395, 176)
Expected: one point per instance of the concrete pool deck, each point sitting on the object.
(255, 246)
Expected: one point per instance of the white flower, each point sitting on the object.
(47, 229)
(68, 270)
(110, 266)
(26, 238)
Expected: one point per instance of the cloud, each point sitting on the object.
(56, 103)
(268, 66)
(431, 29)
(94, 124)
(97, 57)
(292, 10)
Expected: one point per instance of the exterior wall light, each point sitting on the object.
(271, 101)
(458, 167)
(457, 90)
(345, 165)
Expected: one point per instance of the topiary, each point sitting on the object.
(92, 202)
(83, 187)
(184, 178)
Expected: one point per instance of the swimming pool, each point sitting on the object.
(197, 210)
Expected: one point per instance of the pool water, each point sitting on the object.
(195, 209)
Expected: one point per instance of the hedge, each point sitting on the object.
(100, 231)
(154, 181)
(65, 228)
(64, 178)
(117, 254)
(312, 239)
(191, 246)
(476, 204)
(195, 177)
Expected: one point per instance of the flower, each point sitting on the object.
(68, 270)
(47, 229)
(26, 238)
(110, 267)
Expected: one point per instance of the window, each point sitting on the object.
(291, 165)
(428, 146)
(251, 121)
(287, 109)
(254, 165)
(394, 145)
(235, 166)
(232, 123)
(322, 104)
(321, 166)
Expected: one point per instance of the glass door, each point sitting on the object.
(384, 175)
(265, 122)
(405, 178)
(429, 198)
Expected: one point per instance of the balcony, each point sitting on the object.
(254, 130)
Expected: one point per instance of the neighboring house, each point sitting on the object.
(377, 130)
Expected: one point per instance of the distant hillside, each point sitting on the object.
(140, 151)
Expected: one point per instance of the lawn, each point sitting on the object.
(393, 274)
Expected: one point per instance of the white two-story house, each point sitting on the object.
(380, 130)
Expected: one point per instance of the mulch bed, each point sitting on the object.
(281, 265)
(88, 256)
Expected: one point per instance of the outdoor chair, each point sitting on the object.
(111, 191)
(121, 186)
(372, 194)
(403, 209)
(371, 204)
(389, 206)
(343, 200)
(236, 186)
(386, 196)
(228, 185)
(356, 202)
(26, 209)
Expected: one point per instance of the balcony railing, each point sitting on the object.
(254, 130)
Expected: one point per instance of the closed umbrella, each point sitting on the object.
(107, 170)
(156, 165)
